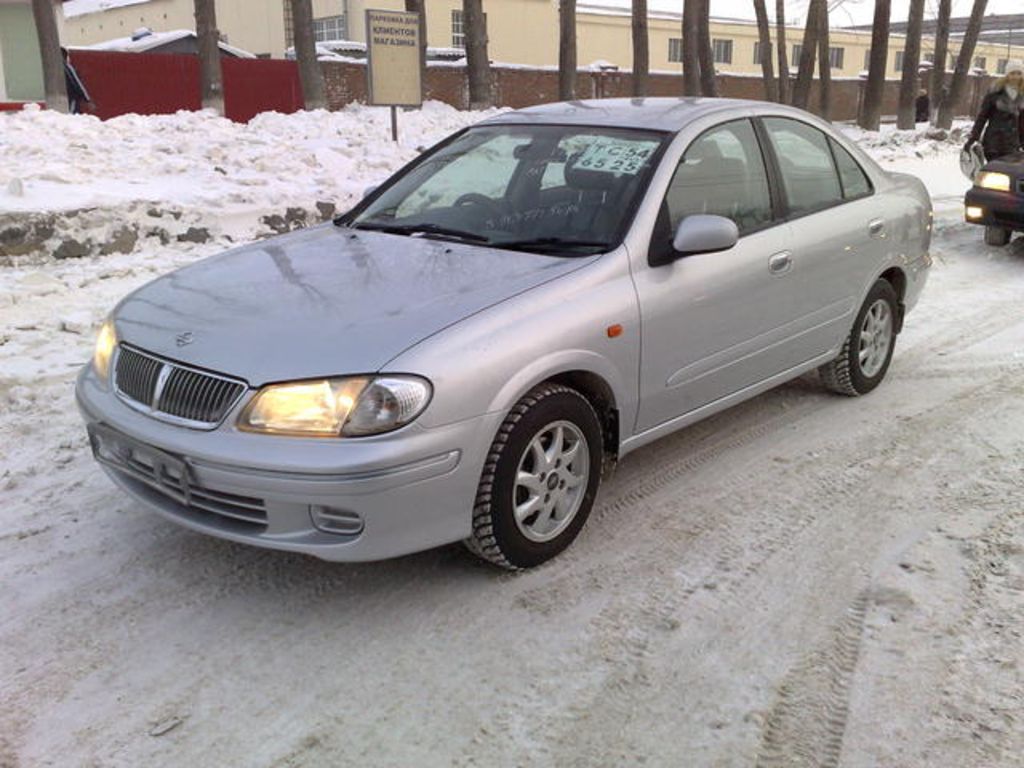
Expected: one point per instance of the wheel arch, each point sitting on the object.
(897, 278)
(592, 375)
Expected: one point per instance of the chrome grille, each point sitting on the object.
(172, 391)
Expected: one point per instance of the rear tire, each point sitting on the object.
(867, 351)
(540, 479)
(997, 236)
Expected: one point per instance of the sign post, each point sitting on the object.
(393, 61)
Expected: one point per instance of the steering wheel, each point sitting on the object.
(475, 198)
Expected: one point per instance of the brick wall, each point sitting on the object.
(522, 87)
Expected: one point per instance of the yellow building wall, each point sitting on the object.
(520, 32)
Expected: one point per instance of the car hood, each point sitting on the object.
(322, 302)
(1012, 164)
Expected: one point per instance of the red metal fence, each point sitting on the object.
(155, 84)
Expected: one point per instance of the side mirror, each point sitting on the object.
(370, 190)
(704, 233)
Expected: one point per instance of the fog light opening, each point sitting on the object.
(975, 212)
(342, 522)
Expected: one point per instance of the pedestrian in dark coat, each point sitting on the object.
(1000, 123)
(922, 107)
(78, 96)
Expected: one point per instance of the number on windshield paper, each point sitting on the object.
(621, 157)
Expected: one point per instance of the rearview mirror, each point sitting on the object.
(704, 233)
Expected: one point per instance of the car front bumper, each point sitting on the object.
(341, 500)
(997, 209)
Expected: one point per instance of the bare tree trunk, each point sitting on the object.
(566, 50)
(905, 118)
(874, 90)
(477, 62)
(417, 6)
(691, 62)
(310, 75)
(941, 54)
(808, 51)
(53, 63)
(824, 62)
(764, 37)
(963, 64)
(211, 82)
(641, 52)
(706, 54)
(780, 34)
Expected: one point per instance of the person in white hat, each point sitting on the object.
(1000, 123)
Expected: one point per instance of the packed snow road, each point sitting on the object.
(804, 580)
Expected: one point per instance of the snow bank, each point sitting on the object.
(202, 167)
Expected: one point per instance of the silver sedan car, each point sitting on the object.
(460, 356)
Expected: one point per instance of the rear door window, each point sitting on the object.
(809, 175)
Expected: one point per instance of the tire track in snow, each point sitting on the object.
(806, 725)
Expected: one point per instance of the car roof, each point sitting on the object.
(666, 114)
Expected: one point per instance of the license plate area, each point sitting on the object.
(158, 469)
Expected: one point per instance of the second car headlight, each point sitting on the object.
(343, 407)
(997, 181)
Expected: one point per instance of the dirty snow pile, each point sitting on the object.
(933, 155)
(198, 163)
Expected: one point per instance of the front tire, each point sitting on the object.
(867, 351)
(997, 236)
(540, 479)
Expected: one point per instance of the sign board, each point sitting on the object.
(393, 54)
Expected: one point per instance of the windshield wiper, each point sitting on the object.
(549, 244)
(425, 228)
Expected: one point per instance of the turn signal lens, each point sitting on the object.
(997, 181)
(106, 342)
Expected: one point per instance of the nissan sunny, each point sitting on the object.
(461, 355)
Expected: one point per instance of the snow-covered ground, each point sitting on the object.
(804, 580)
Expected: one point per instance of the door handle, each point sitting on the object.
(780, 263)
(875, 226)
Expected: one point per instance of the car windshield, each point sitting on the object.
(569, 190)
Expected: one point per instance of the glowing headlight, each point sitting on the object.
(997, 181)
(350, 407)
(106, 342)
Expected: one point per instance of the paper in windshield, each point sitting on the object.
(622, 157)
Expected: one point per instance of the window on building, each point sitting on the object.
(899, 61)
(289, 29)
(867, 59)
(835, 57)
(1001, 65)
(329, 28)
(757, 51)
(980, 62)
(675, 49)
(723, 51)
(797, 53)
(458, 30)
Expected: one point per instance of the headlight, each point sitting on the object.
(106, 342)
(997, 181)
(350, 407)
